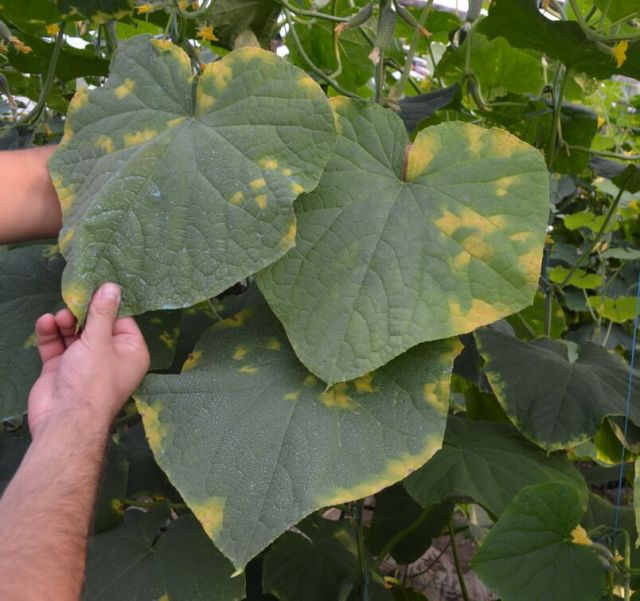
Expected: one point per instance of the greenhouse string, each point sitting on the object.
(628, 408)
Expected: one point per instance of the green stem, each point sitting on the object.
(415, 38)
(467, 54)
(456, 560)
(548, 298)
(110, 35)
(312, 13)
(400, 536)
(555, 123)
(379, 78)
(595, 36)
(310, 63)
(526, 326)
(605, 153)
(36, 111)
(359, 515)
(596, 240)
(336, 46)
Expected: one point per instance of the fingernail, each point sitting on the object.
(110, 292)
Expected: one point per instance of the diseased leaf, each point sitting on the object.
(580, 278)
(253, 442)
(29, 287)
(178, 189)
(619, 310)
(489, 463)
(140, 562)
(98, 11)
(402, 244)
(232, 17)
(556, 397)
(529, 554)
(161, 330)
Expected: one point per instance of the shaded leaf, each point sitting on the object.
(579, 279)
(113, 488)
(414, 109)
(451, 239)
(254, 443)
(620, 174)
(618, 310)
(161, 330)
(232, 17)
(489, 463)
(556, 397)
(531, 545)
(253, 132)
(98, 11)
(30, 286)
(140, 562)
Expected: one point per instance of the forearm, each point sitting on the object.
(29, 207)
(45, 515)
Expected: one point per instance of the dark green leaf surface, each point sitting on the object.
(489, 463)
(528, 555)
(403, 244)
(29, 287)
(232, 17)
(139, 562)
(555, 397)
(254, 442)
(161, 331)
(252, 133)
(520, 22)
(99, 11)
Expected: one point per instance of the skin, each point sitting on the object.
(29, 207)
(45, 512)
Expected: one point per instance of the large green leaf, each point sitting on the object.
(529, 554)
(317, 563)
(556, 394)
(520, 22)
(232, 17)
(99, 11)
(401, 244)
(254, 442)
(139, 561)
(489, 463)
(177, 189)
(29, 287)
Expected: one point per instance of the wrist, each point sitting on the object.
(78, 424)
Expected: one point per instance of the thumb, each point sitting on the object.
(103, 311)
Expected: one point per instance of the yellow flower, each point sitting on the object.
(143, 9)
(579, 536)
(620, 52)
(19, 45)
(206, 33)
(183, 4)
(52, 29)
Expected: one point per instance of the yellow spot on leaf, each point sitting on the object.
(504, 183)
(210, 514)
(273, 344)
(461, 260)
(213, 81)
(268, 163)
(145, 8)
(289, 239)
(65, 239)
(80, 98)
(261, 201)
(237, 320)
(310, 381)
(205, 32)
(30, 342)
(192, 360)
(620, 52)
(429, 393)
(176, 121)
(204, 101)
(337, 397)
(531, 262)
(297, 188)
(420, 155)
(168, 340)
(474, 136)
(579, 536)
(139, 137)
(307, 83)
(125, 88)
(76, 295)
(286, 171)
(117, 506)
(164, 597)
(256, 184)
(240, 352)
(364, 383)
(66, 195)
(248, 369)
(292, 396)
(52, 28)
(237, 198)
(105, 143)
(154, 429)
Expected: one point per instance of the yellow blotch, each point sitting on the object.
(339, 102)
(117, 505)
(161, 44)
(139, 137)
(215, 78)
(474, 137)
(237, 198)
(176, 121)
(461, 260)
(530, 262)
(76, 296)
(297, 188)
(308, 84)
(257, 184)
(286, 171)
(66, 238)
(364, 383)
(429, 393)
(204, 101)
(395, 470)
(80, 98)
(292, 396)
(237, 320)
(192, 360)
(504, 183)
(521, 236)
(240, 352)
(210, 514)
(261, 201)
(248, 369)
(337, 397)
(66, 195)
(164, 597)
(310, 381)
(105, 143)
(289, 239)
(30, 342)
(154, 429)
(125, 88)
(268, 163)
(168, 340)
(273, 344)
(419, 156)
(478, 313)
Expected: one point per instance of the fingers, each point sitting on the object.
(103, 311)
(50, 343)
(127, 336)
(67, 326)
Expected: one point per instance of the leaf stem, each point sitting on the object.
(605, 153)
(36, 111)
(415, 38)
(456, 560)
(359, 516)
(555, 122)
(311, 13)
(400, 536)
(612, 211)
(595, 36)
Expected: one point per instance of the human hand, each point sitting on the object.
(87, 377)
